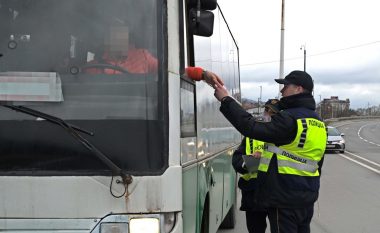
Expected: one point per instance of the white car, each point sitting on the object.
(335, 140)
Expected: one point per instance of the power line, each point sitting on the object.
(314, 55)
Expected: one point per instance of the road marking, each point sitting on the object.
(359, 157)
(367, 160)
(361, 164)
(366, 139)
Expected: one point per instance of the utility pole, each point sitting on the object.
(258, 106)
(304, 56)
(282, 43)
(368, 112)
(259, 101)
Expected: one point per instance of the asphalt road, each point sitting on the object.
(349, 199)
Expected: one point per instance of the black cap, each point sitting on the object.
(299, 78)
(273, 104)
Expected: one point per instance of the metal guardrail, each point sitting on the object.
(334, 120)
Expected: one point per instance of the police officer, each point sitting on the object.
(288, 183)
(253, 150)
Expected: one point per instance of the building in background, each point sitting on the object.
(254, 107)
(333, 107)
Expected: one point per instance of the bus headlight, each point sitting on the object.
(144, 225)
(117, 227)
(169, 222)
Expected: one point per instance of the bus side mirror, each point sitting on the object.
(202, 24)
(205, 4)
(208, 5)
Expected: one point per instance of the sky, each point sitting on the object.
(341, 39)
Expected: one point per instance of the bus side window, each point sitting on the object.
(188, 117)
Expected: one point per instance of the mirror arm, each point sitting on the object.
(198, 11)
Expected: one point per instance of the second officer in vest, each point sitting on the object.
(246, 161)
(288, 183)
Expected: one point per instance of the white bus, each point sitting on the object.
(99, 129)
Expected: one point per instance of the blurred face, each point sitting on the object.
(291, 89)
(117, 41)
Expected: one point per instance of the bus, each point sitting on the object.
(100, 129)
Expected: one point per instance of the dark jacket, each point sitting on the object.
(247, 186)
(274, 190)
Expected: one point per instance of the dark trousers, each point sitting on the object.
(284, 220)
(256, 221)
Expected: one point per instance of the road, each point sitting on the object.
(349, 199)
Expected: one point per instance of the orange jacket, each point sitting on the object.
(138, 61)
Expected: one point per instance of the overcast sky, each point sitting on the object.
(342, 40)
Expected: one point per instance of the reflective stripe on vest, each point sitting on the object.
(301, 156)
(264, 161)
(296, 162)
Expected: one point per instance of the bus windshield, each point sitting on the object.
(95, 64)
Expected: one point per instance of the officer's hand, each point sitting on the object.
(220, 92)
(257, 154)
(212, 78)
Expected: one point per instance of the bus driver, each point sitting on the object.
(120, 52)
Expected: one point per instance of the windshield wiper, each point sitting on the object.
(73, 131)
(50, 118)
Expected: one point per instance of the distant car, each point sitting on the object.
(335, 140)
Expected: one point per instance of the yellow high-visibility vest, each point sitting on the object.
(252, 146)
(301, 156)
